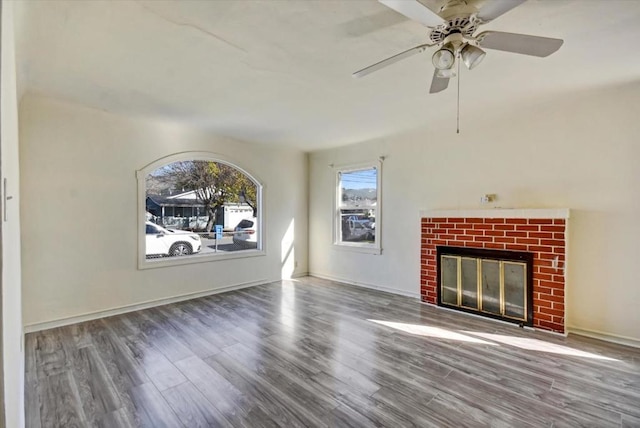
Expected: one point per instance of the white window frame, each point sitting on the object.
(141, 174)
(360, 247)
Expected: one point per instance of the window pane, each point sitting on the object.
(358, 225)
(514, 285)
(491, 286)
(449, 280)
(187, 201)
(469, 282)
(359, 188)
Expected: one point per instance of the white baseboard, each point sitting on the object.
(607, 337)
(30, 328)
(365, 285)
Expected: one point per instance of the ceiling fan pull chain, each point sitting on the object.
(458, 113)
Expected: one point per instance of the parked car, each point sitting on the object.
(170, 242)
(245, 234)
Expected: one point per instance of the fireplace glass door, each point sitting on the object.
(494, 287)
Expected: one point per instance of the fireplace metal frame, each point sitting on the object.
(499, 255)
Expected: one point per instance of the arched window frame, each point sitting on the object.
(141, 174)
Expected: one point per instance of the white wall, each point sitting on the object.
(12, 332)
(578, 151)
(79, 210)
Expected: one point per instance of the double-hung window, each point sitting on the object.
(357, 219)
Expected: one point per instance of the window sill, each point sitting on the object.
(204, 258)
(358, 248)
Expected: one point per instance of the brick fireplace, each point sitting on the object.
(541, 232)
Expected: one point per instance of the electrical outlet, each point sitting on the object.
(485, 199)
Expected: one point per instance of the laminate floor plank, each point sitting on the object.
(151, 409)
(60, 402)
(97, 391)
(280, 408)
(193, 409)
(316, 353)
(222, 395)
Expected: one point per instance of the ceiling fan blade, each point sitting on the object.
(391, 60)
(495, 8)
(414, 10)
(519, 43)
(438, 84)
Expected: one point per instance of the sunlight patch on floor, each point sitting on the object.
(437, 332)
(538, 345)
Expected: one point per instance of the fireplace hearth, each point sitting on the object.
(492, 283)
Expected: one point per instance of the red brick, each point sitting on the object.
(463, 226)
(543, 303)
(548, 270)
(555, 299)
(439, 242)
(530, 241)
(458, 232)
(559, 221)
(475, 220)
(542, 290)
(558, 235)
(475, 232)
(505, 240)
(529, 228)
(558, 306)
(540, 221)
(540, 249)
(553, 312)
(554, 242)
(494, 233)
(483, 226)
(504, 227)
(494, 246)
(483, 239)
(550, 326)
(494, 220)
(544, 277)
(455, 220)
(558, 250)
(558, 278)
(551, 284)
(552, 228)
(475, 244)
(516, 221)
(447, 236)
(542, 235)
(439, 230)
(543, 317)
(550, 256)
(517, 234)
(516, 247)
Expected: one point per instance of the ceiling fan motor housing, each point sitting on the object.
(464, 25)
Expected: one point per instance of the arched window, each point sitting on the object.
(197, 207)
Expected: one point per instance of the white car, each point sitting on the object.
(245, 234)
(169, 242)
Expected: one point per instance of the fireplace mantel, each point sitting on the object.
(543, 213)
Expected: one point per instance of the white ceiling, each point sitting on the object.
(276, 71)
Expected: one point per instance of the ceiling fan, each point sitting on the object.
(452, 25)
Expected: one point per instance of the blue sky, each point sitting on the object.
(365, 179)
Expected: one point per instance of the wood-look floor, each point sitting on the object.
(312, 353)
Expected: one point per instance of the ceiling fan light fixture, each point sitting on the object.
(472, 55)
(444, 57)
(446, 74)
